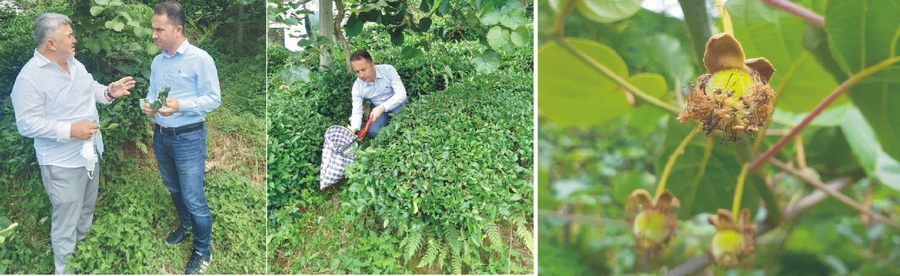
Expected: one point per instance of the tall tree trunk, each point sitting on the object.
(326, 29)
(339, 33)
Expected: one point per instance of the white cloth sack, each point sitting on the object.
(337, 155)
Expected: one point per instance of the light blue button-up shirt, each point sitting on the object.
(387, 90)
(194, 80)
(47, 101)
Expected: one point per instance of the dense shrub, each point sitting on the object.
(419, 191)
(449, 167)
(436, 66)
(294, 151)
(300, 113)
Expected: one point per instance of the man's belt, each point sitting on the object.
(179, 130)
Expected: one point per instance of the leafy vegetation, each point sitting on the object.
(457, 186)
(466, 205)
(497, 25)
(134, 210)
(591, 163)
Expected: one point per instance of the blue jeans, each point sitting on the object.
(382, 121)
(181, 159)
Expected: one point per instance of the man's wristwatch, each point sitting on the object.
(109, 95)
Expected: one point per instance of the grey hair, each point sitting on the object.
(48, 24)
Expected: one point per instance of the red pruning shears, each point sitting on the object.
(359, 137)
(364, 130)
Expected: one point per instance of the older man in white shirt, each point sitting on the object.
(55, 98)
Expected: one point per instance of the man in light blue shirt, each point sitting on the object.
(54, 99)
(179, 136)
(378, 83)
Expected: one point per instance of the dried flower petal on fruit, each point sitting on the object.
(654, 225)
(733, 241)
(734, 96)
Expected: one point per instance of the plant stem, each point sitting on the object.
(10, 227)
(773, 211)
(810, 16)
(801, 154)
(618, 79)
(835, 194)
(840, 90)
(671, 162)
(695, 264)
(559, 25)
(696, 19)
(726, 19)
(707, 151)
(559, 34)
(739, 192)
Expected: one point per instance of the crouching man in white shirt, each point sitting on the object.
(54, 100)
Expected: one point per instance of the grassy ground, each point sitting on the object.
(135, 212)
(321, 240)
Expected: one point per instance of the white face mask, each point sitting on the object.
(90, 156)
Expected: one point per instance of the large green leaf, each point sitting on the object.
(830, 117)
(874, 160)
(520, 37)
(498, 37)
(861, 34)
(703, 189)
(354, 25)
(800, 81)
(604, 11)
(674, 59)
(646, 117)
(571, 93)
(513, 15)
(487, 62)
(626, 182)
(827, 152)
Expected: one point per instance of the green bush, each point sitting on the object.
(452, 100)
(436, 66)
(248, 90)
(449, 167)
(294, 151)
(298, 118)
(18, 45)
(300, 114)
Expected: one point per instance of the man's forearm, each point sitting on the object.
(42, 128)
(200, 105)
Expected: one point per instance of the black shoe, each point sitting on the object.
(177, 235)
(197, 263)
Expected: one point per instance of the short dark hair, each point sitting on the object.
(361, 54)
(172, 10)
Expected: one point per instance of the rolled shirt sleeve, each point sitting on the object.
(98, 89)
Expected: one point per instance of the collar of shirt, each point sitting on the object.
(378, 75)
(44, 61)
(181, 49)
